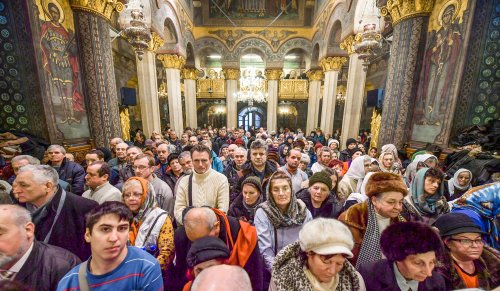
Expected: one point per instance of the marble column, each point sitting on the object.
(273, 76)
(315, 78)
(173, 65)
(97, 68)
(148, 93)
(410, 23)
(189, 75)
(331, 66)
(232, 77)
(355, 92)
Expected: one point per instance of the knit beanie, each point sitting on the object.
(350, 141)
(322, 178)
(385, 182)
(206, 249)
(333, 141)
(254, 181)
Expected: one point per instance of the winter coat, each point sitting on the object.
(45, 266)
(239, 211)
(330, 208)
(217, 163)
(247, 169)
(169, 178)
(344, 156)
(487, 269)
(72, 173)
(379, 275)
(233, 178)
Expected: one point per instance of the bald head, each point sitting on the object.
(163, 152)
(222, 278)
(121, 150)
(201, 222)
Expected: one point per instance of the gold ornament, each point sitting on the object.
(400, 10)
(172, 61)
(156, 42)
(315, 75)
(375, 128)
(348, 44)
(273, 74)
(125, 123)
(103, 8)
(332, 63)
(189, 73)
(231, 74)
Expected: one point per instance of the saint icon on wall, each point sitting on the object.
(60, 61)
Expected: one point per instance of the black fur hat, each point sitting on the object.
(402, 239)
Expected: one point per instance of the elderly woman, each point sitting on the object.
(458, 185)
(246, 203)
(319, 198)
(411, 250)
(151, 228)
(467, 262)
(367, 220)
(279, 219)
(419, 161)
(318, 260)
(388, 163)
(426, 201)
(353, 178)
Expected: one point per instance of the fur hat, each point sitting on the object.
(384, 182)
(320, 177)
(398, 240)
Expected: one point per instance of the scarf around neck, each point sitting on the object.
(370, 246)
(427, 205)
(148, 202)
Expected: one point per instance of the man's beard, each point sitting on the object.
(188, 171)
(4, 260)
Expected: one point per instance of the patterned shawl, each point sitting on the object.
(370, 246)
(148, 202)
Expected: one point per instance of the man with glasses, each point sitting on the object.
(126, 170)
(144, 167)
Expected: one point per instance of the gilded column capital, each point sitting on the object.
(332, 63)
(400, 10)
(231, 74)
(156, 42)
(315, 75)
(348, 44)
(172, 61)
(103, 8)
(189, 73)
(273, 74)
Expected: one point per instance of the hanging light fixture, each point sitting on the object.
(367, 43)
(252, 88)
(137, 34)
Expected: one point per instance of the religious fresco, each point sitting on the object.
(254, 8)
(61, 68)
(439, 77)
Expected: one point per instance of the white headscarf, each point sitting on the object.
(357, 170)
(411, 170)
(390, 148)
(453, 182)
(361, 196)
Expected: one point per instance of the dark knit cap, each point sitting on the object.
(322, 178)
(455, 223)
(206, 249)
(349, 141)
(172, 157)
(254, 181)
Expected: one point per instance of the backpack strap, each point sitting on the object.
(82, 279)
(152, 226)
(190, 191)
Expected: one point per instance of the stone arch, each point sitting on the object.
(339, 17)
(293, 43)
(315, 56)
(190, 56)
(169, 32)
(165, 17)
(256, 44)
(210, 42)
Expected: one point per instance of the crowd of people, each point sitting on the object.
(230, 209)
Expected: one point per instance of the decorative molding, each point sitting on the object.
(273, 74)
(348, 44)
(230, 37)
(332, 63)
(156, 42)
(172, 61)
(315, 75)
(401, 10)
(189, 73)
(103, 8)
(275, 38)
(231, 74)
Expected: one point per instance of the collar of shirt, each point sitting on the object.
(402, 282)
(17, 266)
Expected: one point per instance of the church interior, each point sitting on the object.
(412, 73)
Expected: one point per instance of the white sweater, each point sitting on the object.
(103, 193)
(209, 189)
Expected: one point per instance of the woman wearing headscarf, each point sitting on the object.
(422, 160)
(458, 185)
(279, 219)
(390, 148)
(151, 228)
(353, 178)
(246, 203)
(317, 261)
(388, 163)
(355, 197)
(426, 201)
(367, 220)
(333, 144)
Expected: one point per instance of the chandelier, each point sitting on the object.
(367, 43)
(137, 34)
(252, 88)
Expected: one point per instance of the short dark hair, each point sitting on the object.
(109, 207)
(172, 157)
(104, 169)
(151, 160)
(258, 144)
(201, 148)
(434, 173)
(99, 154)
(398, 240)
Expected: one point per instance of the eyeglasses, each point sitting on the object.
(130, 195)
(468, 242)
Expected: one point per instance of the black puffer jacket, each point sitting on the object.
(74, 174)
(331, 207)
(247, 169)
(45, 266)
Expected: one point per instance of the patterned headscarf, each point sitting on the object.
(295, 214)
(427, 205)
(148, 202)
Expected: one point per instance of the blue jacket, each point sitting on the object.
(217, 163)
